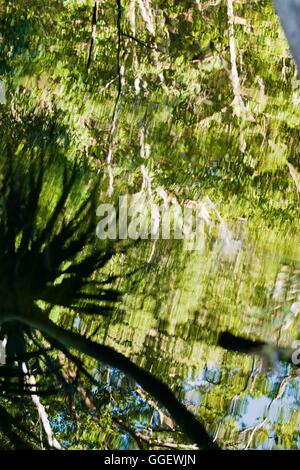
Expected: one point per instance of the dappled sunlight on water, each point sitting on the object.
(186, 299)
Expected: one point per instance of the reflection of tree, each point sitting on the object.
(253, 430)
(270, 355)
(49, 261)
(175, 131)
(268, 352)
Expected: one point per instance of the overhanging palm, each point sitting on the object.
(50, 260)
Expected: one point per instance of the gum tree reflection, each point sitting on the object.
(49, 259)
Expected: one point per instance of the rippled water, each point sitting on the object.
(180, 301)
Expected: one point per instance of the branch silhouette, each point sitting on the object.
(54, 261)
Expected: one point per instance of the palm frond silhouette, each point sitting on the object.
(49, 254)
(50, 258)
